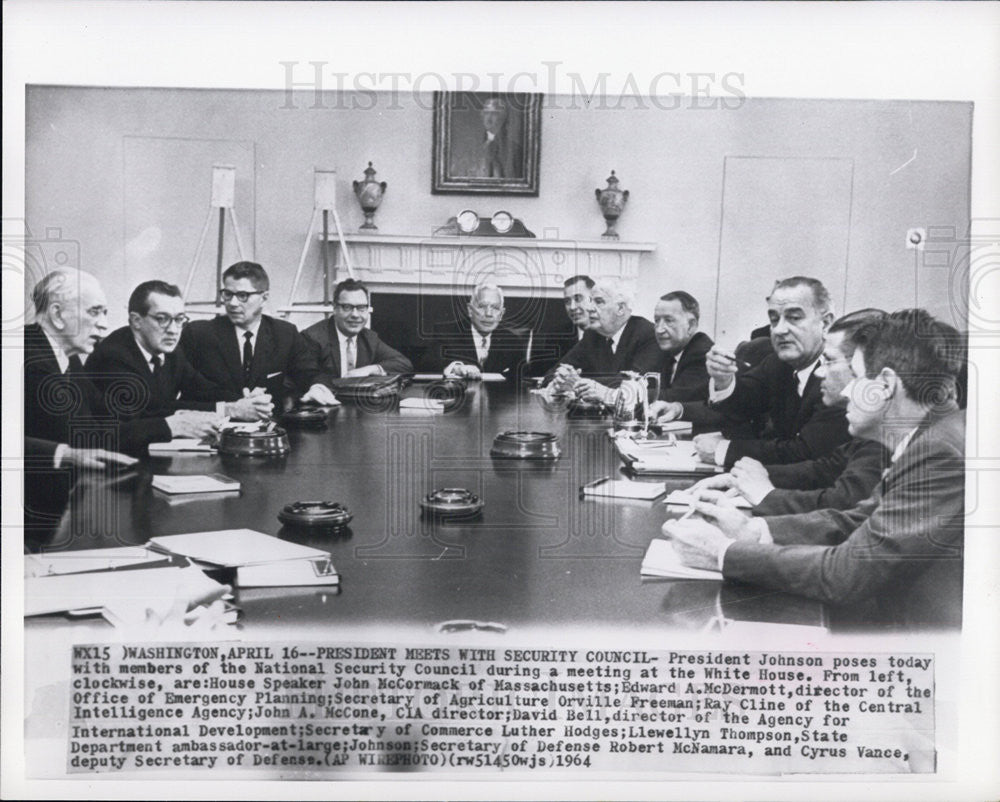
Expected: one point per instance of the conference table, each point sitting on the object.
(538, 556)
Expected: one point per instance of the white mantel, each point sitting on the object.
(454, 264)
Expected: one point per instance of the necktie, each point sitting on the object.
(247, 358)
(155, 362)
(484, 349)
(352, 354)
(668, 370)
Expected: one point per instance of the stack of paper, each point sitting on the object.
(661, 560)
(195, 483)
(261, 560)
(684, 498)
(662, 457)
(85, 560)
(181, 445)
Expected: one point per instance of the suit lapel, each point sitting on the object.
(229, 348)
(335, 347)
(263, 353)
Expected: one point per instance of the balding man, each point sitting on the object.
(616, 340)
(480, 345)
(71, 316)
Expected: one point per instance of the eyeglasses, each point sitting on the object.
(348, 308)
(242, 297)
(496, 309)
(164, 321)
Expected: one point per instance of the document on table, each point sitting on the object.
(194, 483)
(86, 560)
(623, 488)
(663, 561)
(416, 404)
(662, 456)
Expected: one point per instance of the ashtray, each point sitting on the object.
(525, 445)
(315, 514)
(451, 501)
(450, 390)
(305, 418)
(266, 442)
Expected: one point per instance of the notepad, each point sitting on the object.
(195, 483)
(431, 405)
(181, 444)
(663, 561)
(684, 498)
(86, 560)
(623, 488)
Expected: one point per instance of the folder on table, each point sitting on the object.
(662, 457)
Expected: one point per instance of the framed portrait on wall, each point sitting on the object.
(486, 143)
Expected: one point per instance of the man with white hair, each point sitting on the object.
(616, 340)
(481, 345)
(71, 316)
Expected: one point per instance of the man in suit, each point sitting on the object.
(482, 345)
(176, 400)
(895, 557)
(551, 345)
(347, 347)
(60, 428)
(784, 387)
(246, 352)
(615, 340)
(837, 480)
(683, 376)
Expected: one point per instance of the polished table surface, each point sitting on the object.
(538, 555)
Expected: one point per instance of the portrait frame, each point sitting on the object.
(463, 163)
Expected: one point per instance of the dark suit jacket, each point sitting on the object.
(894, 557)
(637, 350)
(452, 342)
(371, 350)
(548, 348)
(797, 428)
(690, 382)
(284, 363)
(838, 481)
(179, 386)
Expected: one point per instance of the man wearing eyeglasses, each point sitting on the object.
(468, 350)
(347, 347)
(246, 352)
(837, 480)
(171, 398)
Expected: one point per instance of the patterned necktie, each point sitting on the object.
(352, 355)
(247, 358)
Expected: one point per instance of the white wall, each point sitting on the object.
(86, 149)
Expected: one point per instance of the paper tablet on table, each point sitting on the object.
(181, 444)
(623, 488)
(194, 483)
(684, 498)
(234, 547)
(661, 560)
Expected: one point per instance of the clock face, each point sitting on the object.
(468, 221)
(502, 222)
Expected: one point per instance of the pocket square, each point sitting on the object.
(276, 373)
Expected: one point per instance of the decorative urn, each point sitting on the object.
(369, 193)
(612, 201)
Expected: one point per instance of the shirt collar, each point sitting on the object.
(61, 357)
(802, 375)
(904, 443)
(146, 355)
(617, 336)
(252, 329)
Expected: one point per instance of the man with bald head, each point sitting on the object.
(616, 340)
(71, 316)
(481, 345)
